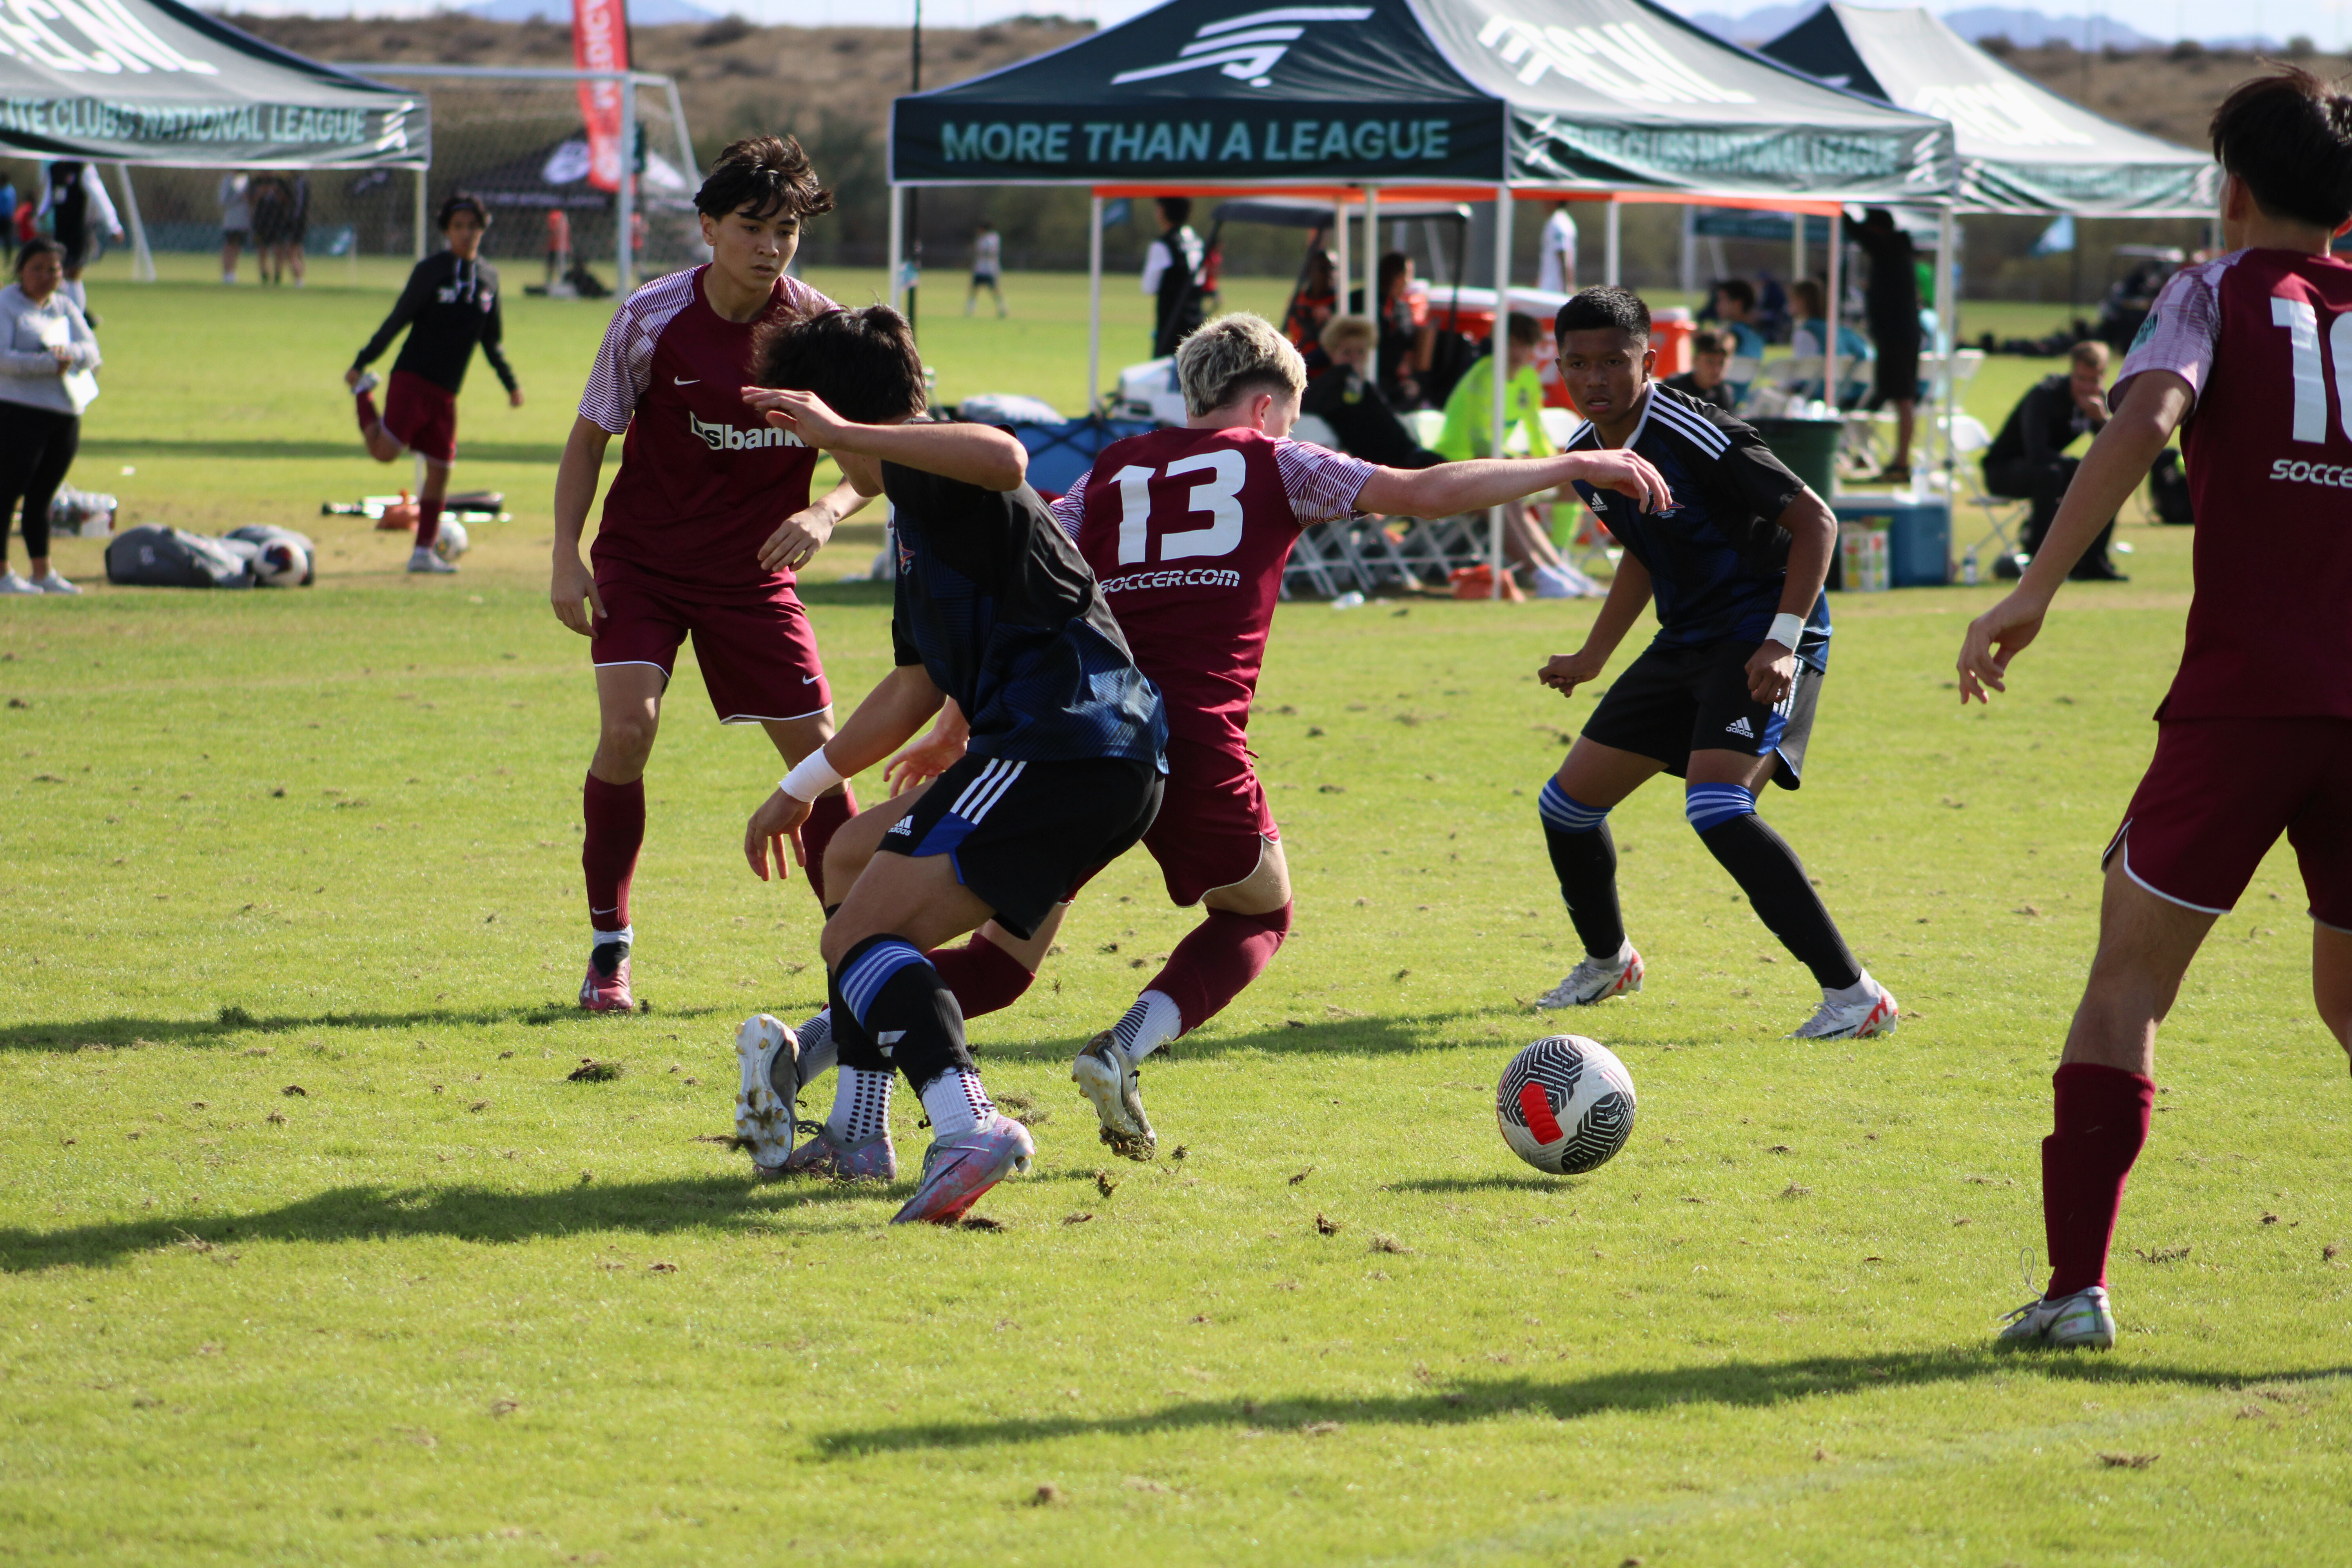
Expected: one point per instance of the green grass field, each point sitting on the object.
(310, 1252)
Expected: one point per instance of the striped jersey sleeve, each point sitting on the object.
(625, 361)
(1320, 484)
(2181, 329)
(1071, 510)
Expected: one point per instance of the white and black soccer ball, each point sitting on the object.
(451, 542)
(281, 564)
(1565, 1105)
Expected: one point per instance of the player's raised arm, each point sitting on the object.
(1449, 487)
(978, 455)
(2154, 404)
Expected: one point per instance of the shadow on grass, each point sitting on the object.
(232, 1022)
(474, 1214)
(547, 452)
(1549, 1187)
(1746, 1385)
(1375, 1035)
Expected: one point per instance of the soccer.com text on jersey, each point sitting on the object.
(2294, 471)
(1195, 577)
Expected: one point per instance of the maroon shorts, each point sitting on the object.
(759, 659)
(1213, 822)
(2219, 794)
(421, 416)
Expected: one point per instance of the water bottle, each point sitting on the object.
(1969, 568)
(1348, 601)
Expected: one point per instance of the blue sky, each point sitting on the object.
(2326, 21)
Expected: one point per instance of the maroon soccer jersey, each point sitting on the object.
(704, 481)
(2263, 337)
(1188, 530)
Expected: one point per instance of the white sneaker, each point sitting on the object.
(1874, 1013)
(768, 1054)
(368, 381)
(425, 561)
(1109, 1081)
(50, 582)
(1596, 980)
(2079, 1321)
(11, 584)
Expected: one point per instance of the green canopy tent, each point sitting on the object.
(156, 82)
(1447, 99)
(2022, 148)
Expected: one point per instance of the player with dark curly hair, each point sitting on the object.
(702, 529)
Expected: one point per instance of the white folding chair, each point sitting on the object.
(1969, 441)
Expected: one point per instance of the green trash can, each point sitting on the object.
(1808, 446)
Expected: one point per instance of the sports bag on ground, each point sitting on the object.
(153, 557)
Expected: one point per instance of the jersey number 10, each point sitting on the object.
(1219, 496)
(2302, 323)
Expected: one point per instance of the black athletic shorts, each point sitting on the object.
(1898, 373)
(1021, 836)
(1672, 701)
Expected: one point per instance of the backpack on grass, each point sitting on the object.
(156, 557)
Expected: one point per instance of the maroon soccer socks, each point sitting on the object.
(2102, 1116)
(615, 818)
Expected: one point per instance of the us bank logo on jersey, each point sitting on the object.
(1246, 47)
(735, 438)
(1623, 60)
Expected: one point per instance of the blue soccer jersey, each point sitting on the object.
(1718, 559)
(998, 607)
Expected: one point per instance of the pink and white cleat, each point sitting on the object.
(958, 1170)
(606, 987)
(873, 1159)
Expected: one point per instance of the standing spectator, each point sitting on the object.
(7, 217)
(272, 200)
(1808, 326)
(1171, 274)
(73, 198)
(46, 351)
(2027, 460)
(236, 222)
(1316, 302)
(1405, 344)
(1710, 358)
(559, 247)
(1355, 407)
(298, 225)
(1891, 304)
(987, 267)
(1469, 432)
(1555, 265)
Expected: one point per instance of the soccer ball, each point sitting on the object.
(1565, 1105)
(451, 542)
(281, 564)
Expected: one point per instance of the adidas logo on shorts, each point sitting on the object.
(904, 825)
(1740, 727)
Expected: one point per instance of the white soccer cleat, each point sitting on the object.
(1115, 1088)
(430, 564)
(1596, 980)
(49, 582)
(2079, 1321)
(769, 1054)
(368, 381)
(10, 583)
(1857, 1020)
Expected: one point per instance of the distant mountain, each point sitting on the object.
(2027, 30)
(643, 12)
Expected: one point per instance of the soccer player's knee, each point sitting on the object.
(1563, 813)
(1708, 807)
(900, 1002)
(845, 862)
(627, 740)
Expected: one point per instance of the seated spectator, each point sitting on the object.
(2027, 460)
(1710, 354)
(1469, 432)
(1811, 323)
(1735, 307)
(1357, 410)
(1771, 318)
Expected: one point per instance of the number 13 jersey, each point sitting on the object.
(1188, 532)
(2263, 337)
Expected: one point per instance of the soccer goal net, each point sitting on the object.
(515, 139)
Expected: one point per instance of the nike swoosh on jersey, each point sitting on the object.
(681, 381)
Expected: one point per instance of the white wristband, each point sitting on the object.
(1786, 630)
(811, 777)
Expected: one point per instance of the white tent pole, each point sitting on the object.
(1372, 271)
(1339, 306)
(687, 164)
(1947, 323)
(1612, 248)
(897, 242)
(1690, 250)
(143, 261)
(1501, 350)
(424, 211)
(1836, 287)
(625, 206)
(1797, 257)
(1094, 304)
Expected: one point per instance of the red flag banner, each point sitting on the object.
(599, 41)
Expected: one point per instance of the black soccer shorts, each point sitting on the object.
(1672, 701)
(1021, 836)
